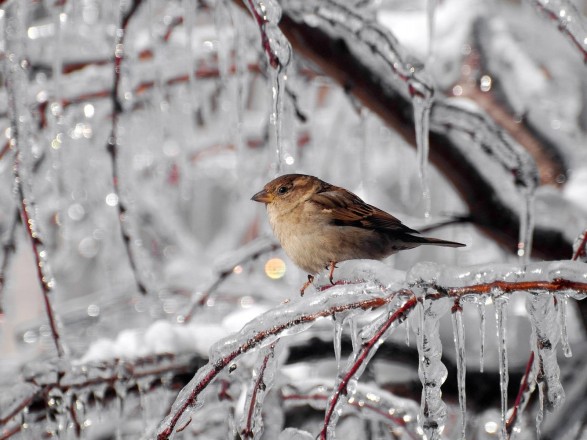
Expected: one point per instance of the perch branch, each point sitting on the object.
(208, 374)
(211, 371)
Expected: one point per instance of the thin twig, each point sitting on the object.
(522, 397)
(581, 251)
(112, 144)
(39, 250)
(372, 344)
(259, 385)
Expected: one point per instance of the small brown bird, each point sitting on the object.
(319, 224)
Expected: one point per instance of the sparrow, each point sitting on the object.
(319, 225)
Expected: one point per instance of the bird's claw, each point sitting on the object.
(331, 274)
(306, 284)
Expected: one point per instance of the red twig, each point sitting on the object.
(524, 387)
(39, 251)
(112, 145)
(509, 287)
(259, 385)
(562, 27)
(581, 251)
(400, 314)
(6, 433)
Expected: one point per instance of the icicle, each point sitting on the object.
(277, 91)
(372, 336)
(355, 336)
(407, 326)
(481, 308)
(526, 227)
(459, 340)
(337, 337)
(540, 412)
(431, 370)
(501, 322)
(267, 14)
(430, 15)
(422, 107)
(545, 337)
(562, 317)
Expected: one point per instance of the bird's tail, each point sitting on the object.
(436, 241)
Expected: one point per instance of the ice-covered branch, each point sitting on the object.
(437, 282)
(21, 143)
(568, 19)
(291, 317)
(360, 360)
(95, 381)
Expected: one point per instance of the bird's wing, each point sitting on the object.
(347, 209)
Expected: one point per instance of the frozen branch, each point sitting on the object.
(567, 277)
(568, 19)
(93, 379)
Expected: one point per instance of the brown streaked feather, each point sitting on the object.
(347, 209)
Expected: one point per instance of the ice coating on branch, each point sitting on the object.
(431, 370)
(369, 38)
(372, 336)
(501, 322)
(267, 14)
(464, 116)
(545, 337)
(459, 340)
(290, 318)
(569, 20)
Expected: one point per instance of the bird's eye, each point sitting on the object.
(282, 190)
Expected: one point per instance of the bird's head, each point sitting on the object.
(289, 190)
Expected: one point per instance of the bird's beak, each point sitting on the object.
(262, 197)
